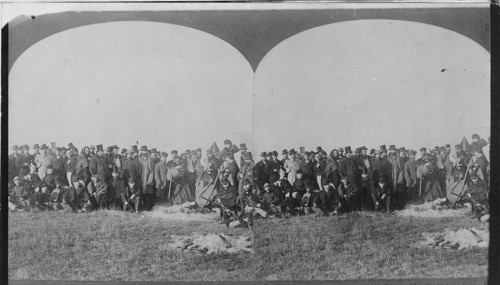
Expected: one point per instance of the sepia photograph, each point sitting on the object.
(247, 142)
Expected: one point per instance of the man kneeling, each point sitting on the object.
(132, 196)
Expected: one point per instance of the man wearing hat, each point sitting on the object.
(382, 195)
(272, 168)
(59, 165)
(325, 200)
(19, 195)
(423, 151)
(429, 187)
(49, 179)
(228, 147)
(55, 200)
(478, 164)
(147, 179)
(211, 161)
(341, 153)
(348, 195)
(43, 160)
(260, 175)
(477, 194)
(115, 159)
(135, 152)
(98, 165)
(459, 160)
(132, 195)
(292, 165)
(132, 168)
(227, 195)
(284, 158)
(92, 150)
(247, 171)
(410, 172)
(77, 196)
(271, 200)
(308, 168)
(249, 202)
(381, 168)
(13, 157)
(398, 181)
(36, 150)
(346, 165)
(98, 190)
(477, 142)
(162, 183)
(331, 175)
(243, 148)
(230, 169)
(23, 161)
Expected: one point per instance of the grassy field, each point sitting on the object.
(108, 245)
(361, 246)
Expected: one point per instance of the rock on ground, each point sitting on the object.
(461, 239)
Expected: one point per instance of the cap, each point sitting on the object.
(475, 136)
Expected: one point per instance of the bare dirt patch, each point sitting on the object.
(460, 239)
(434, 209)
(210, 243)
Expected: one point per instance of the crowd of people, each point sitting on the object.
(299, 182)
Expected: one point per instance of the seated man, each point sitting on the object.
(348, 195)
(77, 198)
(55, 200)
(98, 191)
(49, 179)
(382, 196)
(306, 202)
(250, 201)
(19, 196)
(272, 199)
(227, 196)
(477, 194)
(117, 189)
(132, 196)
(325, 200)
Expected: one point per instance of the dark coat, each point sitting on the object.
(261, 178)
(326, 201)
(347, 168)
(98, 166)
(132, 168)
(410, 171)
(272, 169)
(382, 168)
(76, 197)
(227, 196)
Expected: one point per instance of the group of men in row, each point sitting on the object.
(316, 182)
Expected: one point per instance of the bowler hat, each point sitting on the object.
(372, 151)
(124, 150)
(144, 148)
(292, 151)
(263, 154)
(402, 149)
(348, 149)
(284, 152)
(99, 147)
(358, 150)
(319, 149)
(269, 154)
(275, 153)
(227, 142)
(447, 145)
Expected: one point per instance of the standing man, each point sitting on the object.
(132, 168)
(147, 180)
(230, 169)
(229, 147)
(410, 172)
(398, 183)
(60, 165)
(13, 157)
(247, 171)
(162, 183)
(43, 160)
(261, 177)
(292, 165)
(243, 148)
(98, 165)
(346, 166)
(272, 167)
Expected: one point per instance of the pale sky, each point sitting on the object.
(372, 82)
(356, 83)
